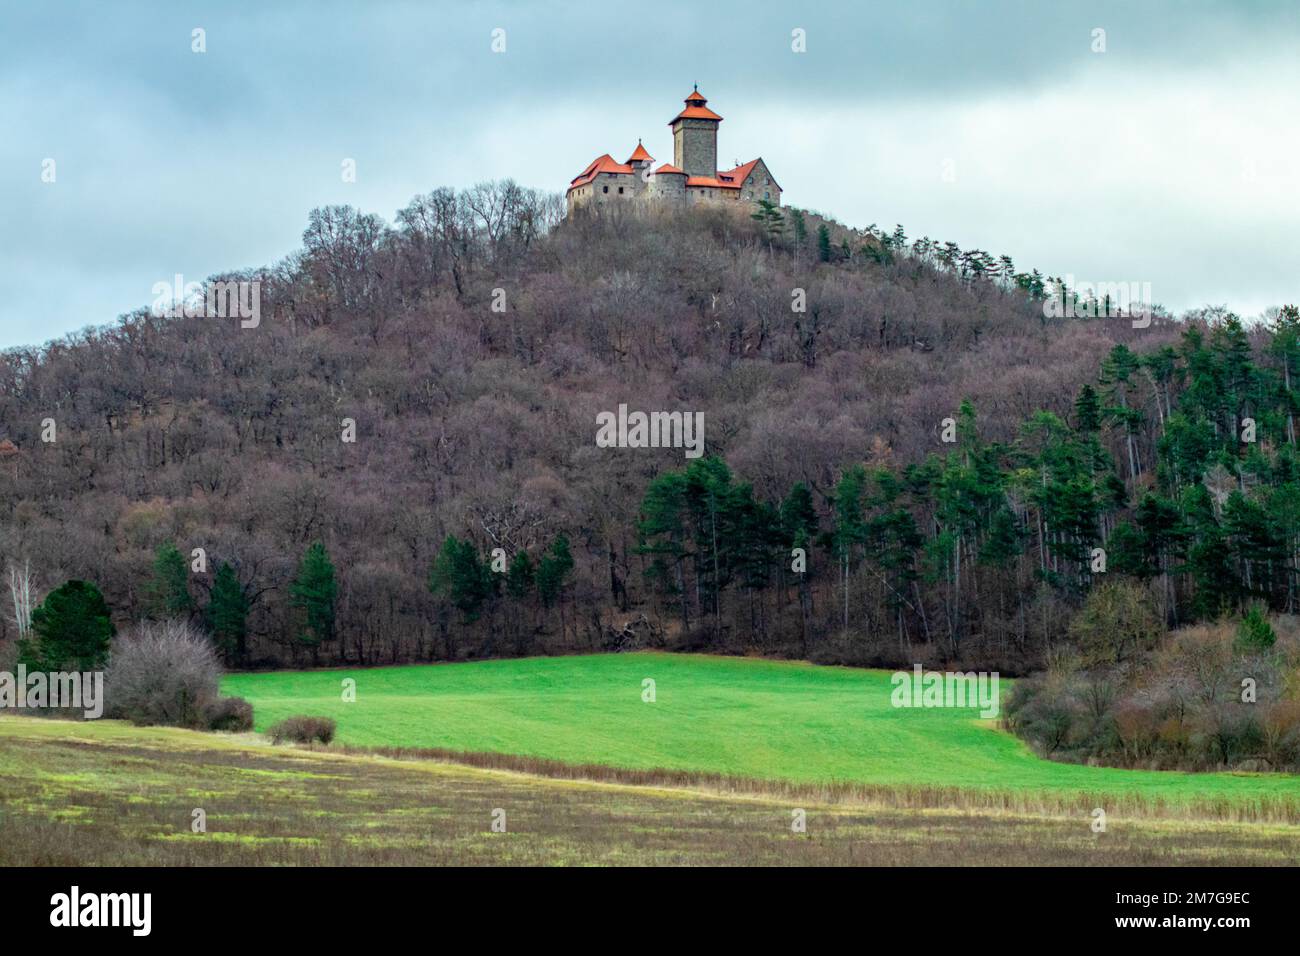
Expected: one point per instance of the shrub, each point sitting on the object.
(162, 672)
(230, 713)
(1045, 712)
(1118, 621)
(1254, 633)
(302, 730)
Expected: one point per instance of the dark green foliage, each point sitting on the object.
(800, 227)
(799, 518)
(769, 216)
(460, 575)
(227, 612)
(168, 589)
(1254, 633)
(314, 591)
(552, 570)
(519, 576)
(71, 629)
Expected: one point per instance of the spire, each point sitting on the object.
(639, 155)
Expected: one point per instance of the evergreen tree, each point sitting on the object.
(823, 243)
(168, 588)
(227, 613)
(460, 575)
(1087, 411)
(71, 629)
(313, 592)
(800, 228)
(1254, 634)
(769, 217)
(519, 576)
(552, 570)
(799, 516)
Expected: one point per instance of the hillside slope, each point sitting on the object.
(480, 423)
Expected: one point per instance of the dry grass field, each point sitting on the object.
(108, 793)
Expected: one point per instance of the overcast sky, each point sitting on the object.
(1171, 158)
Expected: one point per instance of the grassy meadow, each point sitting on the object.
(781, 722)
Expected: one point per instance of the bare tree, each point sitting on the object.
(20, 590)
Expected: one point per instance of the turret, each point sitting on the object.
(695, 137)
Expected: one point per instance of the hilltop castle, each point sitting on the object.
(693, 175)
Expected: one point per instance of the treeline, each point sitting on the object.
(82, 630)
(1177, 469)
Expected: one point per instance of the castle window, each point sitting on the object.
(605, 189)
(767, 195)
(620, 190)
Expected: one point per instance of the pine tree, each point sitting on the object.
(552, 570)
(519, 576)
(850, 528)
(168, 589)
(800, 228)
(769, 217)
(1285, 345)
(227, 613)
(461, 576)
(72, 630)
(799, 516)
(313, 592)
(823, 243)
(1087, 411)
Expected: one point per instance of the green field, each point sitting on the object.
(764, 720)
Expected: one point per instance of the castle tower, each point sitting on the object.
(695, 137)
(640, 161)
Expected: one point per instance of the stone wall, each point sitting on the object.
(695, 146)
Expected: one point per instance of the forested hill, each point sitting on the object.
(474, 341)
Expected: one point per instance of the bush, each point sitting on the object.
(1118, 621)
(230, 713)
(302, 730)
(162, 672)
(1254, 633)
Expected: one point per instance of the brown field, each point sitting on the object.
(107, 793)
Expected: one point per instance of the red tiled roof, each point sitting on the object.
(601, 164)
(735, 178)
(704, 181)
(640, 155)
(666, 169)
(695, 109)
(695, 112)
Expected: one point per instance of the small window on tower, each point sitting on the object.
(620, 190)
(604, 189)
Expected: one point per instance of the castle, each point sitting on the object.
(693, 176)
